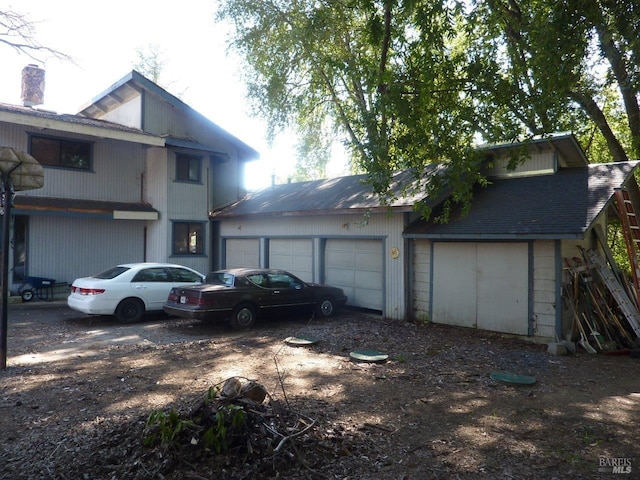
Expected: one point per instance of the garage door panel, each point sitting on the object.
(368, 280)
(454, 280)
(367, 298)
(483, 285)
(242, 252)
(356, 266)
(503, 286)
(292, 254)
(340, 259)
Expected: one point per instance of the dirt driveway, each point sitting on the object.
(77, 390)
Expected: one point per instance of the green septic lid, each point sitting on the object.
(301, 340)
(369, 356)
(513, 378)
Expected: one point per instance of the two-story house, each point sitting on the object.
(132, 177)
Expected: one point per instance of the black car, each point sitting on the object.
(242, 294)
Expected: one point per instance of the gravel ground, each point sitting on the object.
(78, 390)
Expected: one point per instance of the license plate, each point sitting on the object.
(183, 299)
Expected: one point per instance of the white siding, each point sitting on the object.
(421, 286)
(544, 288)
(544, 162)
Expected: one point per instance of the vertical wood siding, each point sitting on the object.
(537, 162)
(158, 232)
(421, 286)
(65, 248)
(545, 284)
(116, 175)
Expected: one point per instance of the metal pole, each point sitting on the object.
(6, 225)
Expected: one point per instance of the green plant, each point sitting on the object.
(164, 428)
(400, 358)
(230, 417)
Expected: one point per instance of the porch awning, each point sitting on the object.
(37, 205)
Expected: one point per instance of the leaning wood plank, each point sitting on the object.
(626, 306)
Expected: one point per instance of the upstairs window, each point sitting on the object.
(188, 168)
(63, 153)
(188, 238)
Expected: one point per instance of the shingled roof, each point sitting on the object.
(561, 205)
(349, 194)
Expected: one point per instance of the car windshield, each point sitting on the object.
(111, 273)
(220, 278)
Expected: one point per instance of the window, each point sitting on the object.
(283, 280)
(188, 168)
(56, 152)
(155, 274)
(187, 238)
(184, 275)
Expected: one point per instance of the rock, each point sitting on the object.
(254, 391)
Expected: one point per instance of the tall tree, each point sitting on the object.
(150, 63)
(410, 82)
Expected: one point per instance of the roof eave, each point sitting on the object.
(91, 130)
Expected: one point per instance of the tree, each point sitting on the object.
(410, 82)
(150, 63)
(18, 32)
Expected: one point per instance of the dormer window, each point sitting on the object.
(61, 152)
(188, 168)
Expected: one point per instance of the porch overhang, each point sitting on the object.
(74, 207)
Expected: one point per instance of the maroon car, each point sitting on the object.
(242, 294)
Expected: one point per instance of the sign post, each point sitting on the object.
(18, 171)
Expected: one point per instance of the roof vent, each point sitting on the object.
(32, 86)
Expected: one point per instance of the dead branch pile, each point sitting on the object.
(602, 305)
(237, 427)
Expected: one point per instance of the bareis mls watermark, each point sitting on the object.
(614, 465)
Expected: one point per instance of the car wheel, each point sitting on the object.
(27, 295)
(130, 310)
(244, 316)
(325, 307)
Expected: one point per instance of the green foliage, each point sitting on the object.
(211, 428)
(408, 83)
(227, 418)
(165, 428)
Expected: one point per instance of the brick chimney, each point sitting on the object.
(32, 86)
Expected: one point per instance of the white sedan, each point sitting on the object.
(129, 290)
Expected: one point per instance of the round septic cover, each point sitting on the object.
(301, 340)
(369, 355)
(513, 378)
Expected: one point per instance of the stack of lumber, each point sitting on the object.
(602, 303)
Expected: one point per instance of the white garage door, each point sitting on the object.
(356, 266)
(482, 285)
(292, 254)
(242, 252)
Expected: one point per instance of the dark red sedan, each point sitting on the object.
(242, 294)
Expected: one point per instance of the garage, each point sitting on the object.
(356, 266)
(242, 252)
(482, 285)
(292, 254)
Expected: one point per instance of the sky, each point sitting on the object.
(103, 38)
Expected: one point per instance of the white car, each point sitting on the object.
(129, 290)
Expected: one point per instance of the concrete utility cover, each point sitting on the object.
(25, 171)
